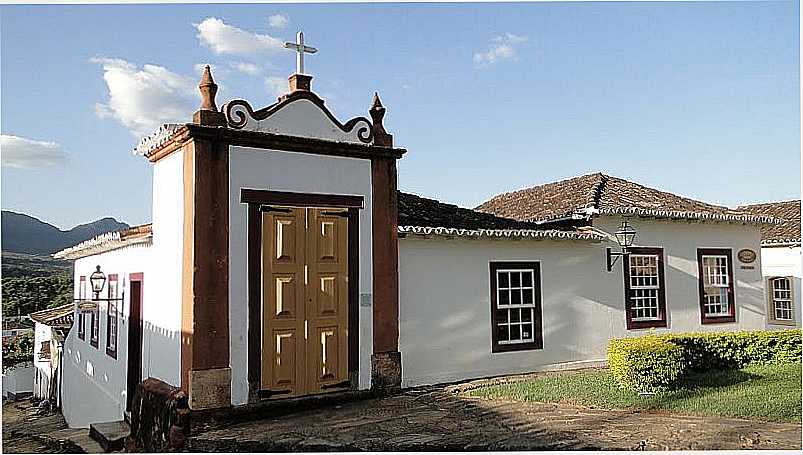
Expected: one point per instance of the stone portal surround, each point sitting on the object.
(205, 364)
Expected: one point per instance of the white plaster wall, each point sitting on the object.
(680, 241)
(296, 172)
(445, 325)
(161, 357)
(784, 261)
(94, 383)
(43, 371)
(303, 118)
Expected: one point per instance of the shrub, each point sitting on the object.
(655, 362)
(728, 350)
(645, 364)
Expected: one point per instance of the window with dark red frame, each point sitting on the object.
(516, 306)
(717, 303)
(81, 298)
(645, 288)
(111, 318)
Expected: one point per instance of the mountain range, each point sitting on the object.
(25, 234)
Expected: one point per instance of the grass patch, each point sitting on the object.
(764, 392)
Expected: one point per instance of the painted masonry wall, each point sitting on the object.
(94, 383)
(445, 303)
(296, 172)
(784, 261)
(680, 241)
(43, 371)
(161, 357)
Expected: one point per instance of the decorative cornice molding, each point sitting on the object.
(109, 241)
(773, 243)
(157, 139)
(238, 113)
(552, 234)
(695, 216)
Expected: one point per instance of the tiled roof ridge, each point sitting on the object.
(598, 191)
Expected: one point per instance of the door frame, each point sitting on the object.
(255, 199)
(135, 325)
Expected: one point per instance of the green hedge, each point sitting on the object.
(654, 362)
(645, 364)
(730, 350)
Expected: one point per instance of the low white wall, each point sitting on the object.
(296, 172)
(445, 315)
(18, 379)
(784, 261)
(94, 383)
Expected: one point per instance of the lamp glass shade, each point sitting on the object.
(625, 235)
(98, 280)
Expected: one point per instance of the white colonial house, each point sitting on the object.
(282, 262)
(781, 260)
(50, 329)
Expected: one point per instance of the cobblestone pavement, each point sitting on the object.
(24, 431)
(442, 418)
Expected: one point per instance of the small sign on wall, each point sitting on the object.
(746, 256)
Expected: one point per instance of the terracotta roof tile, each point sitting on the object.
(787, 233)
(60, 316)
(418, 211)
(422, 216)
(603, 194)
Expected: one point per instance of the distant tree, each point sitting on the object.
(22, 296)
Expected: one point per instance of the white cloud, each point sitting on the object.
(22, 153)
(278, 21)
(141, 99)
(245, 68)
(222, 38)
(277, 86)
(503, 48)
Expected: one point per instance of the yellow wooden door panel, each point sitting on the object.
(283, 309)
(284, 368)
(304, 300)
(327, 299)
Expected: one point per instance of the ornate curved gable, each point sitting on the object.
(300, 113)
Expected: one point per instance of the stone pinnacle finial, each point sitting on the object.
(376, 103)
(208, 90)
(377, 111)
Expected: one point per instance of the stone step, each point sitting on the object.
(110, 435)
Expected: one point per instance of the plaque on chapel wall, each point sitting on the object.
(746, 256)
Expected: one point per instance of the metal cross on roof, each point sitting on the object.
(300, 48)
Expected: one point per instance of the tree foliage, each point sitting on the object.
(22, 296)
(18, 349)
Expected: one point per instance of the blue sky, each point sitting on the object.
(700, 99)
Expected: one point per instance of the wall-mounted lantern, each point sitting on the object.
(98, 280)
(624, 237)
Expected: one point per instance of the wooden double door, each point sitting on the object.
(304, 301)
